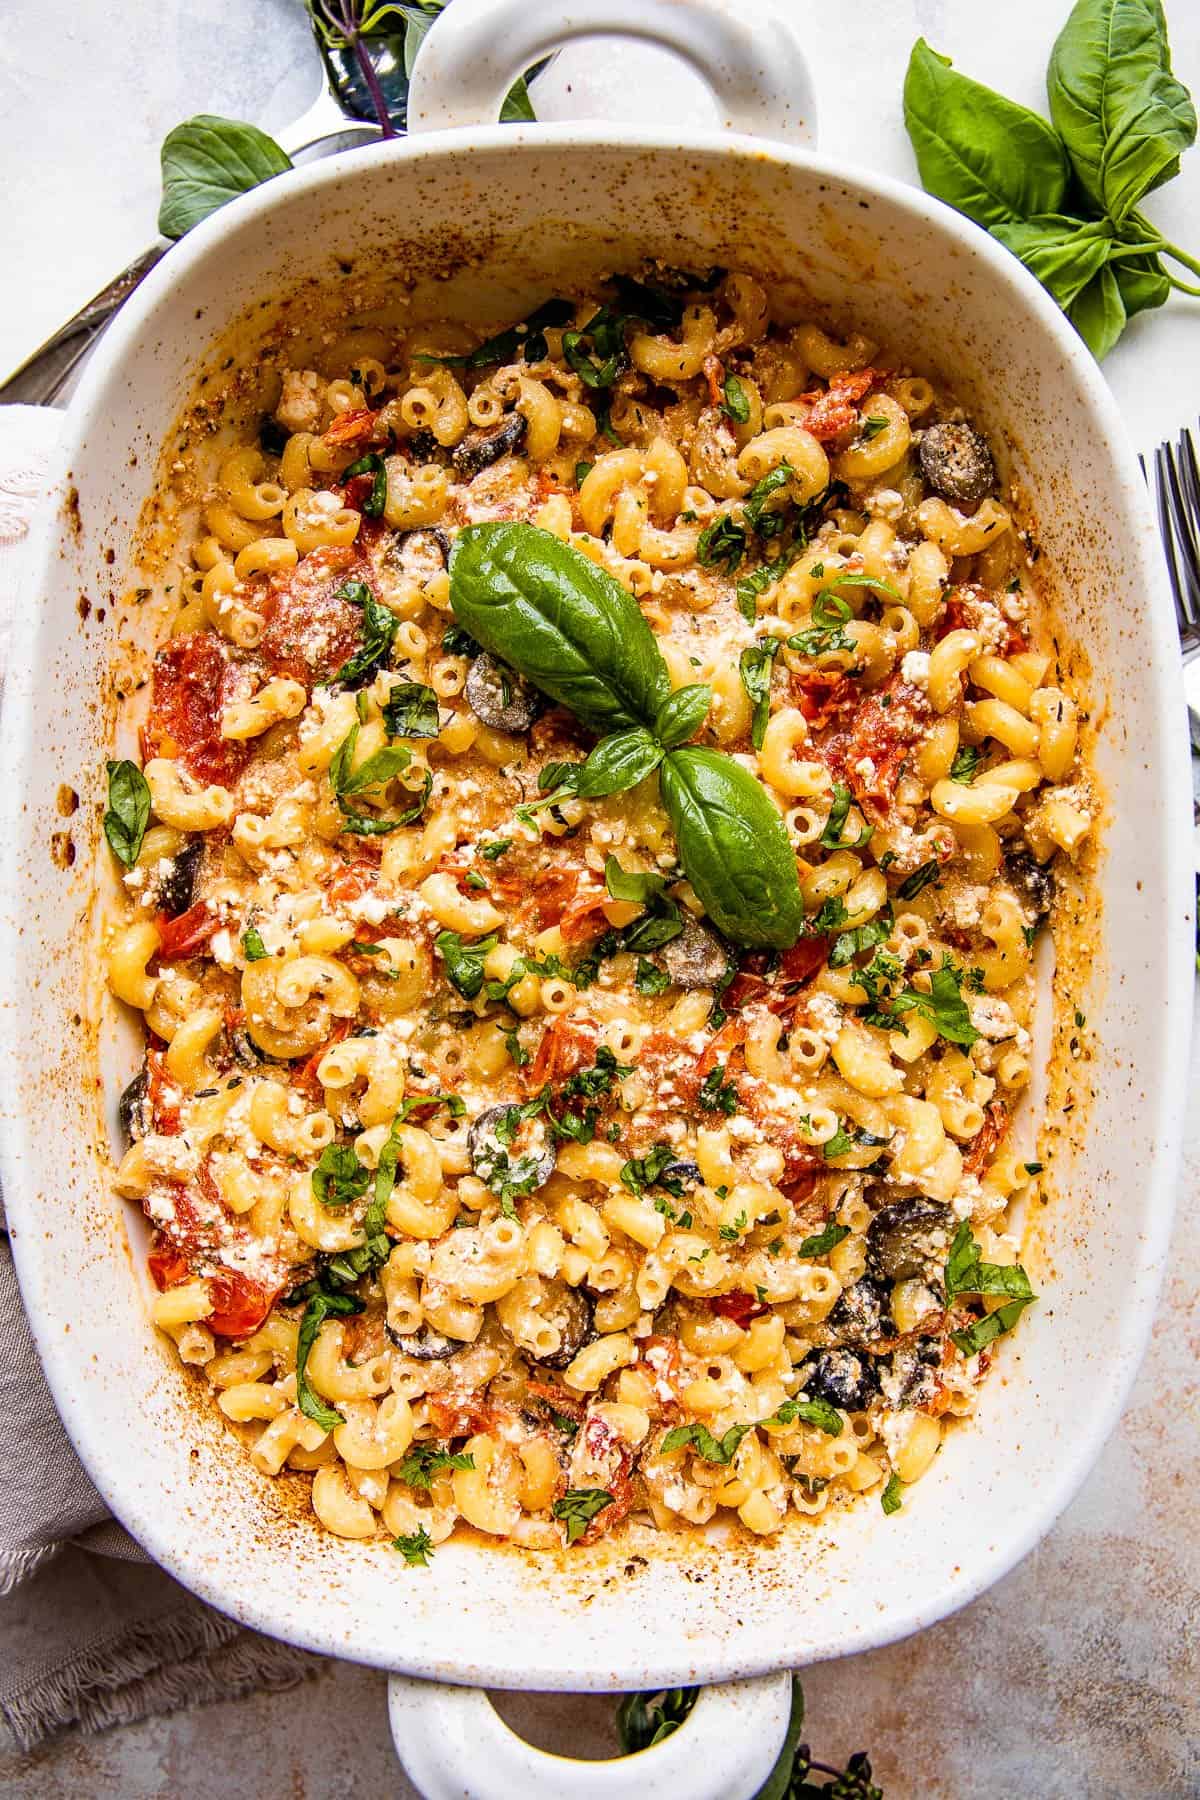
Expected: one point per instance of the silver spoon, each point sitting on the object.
(334, 117)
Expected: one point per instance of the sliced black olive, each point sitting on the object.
(133, 1108)
(244, 1051)
(571, 1310)
(916, 1366)
(501, 698)
(687, 1174)
(426, 1345)
(863, 1313)
(175, 890)
(480, 449)
(844, 1377)
(422, 545)
(423, 445)
(1033, 881)
(696, 958)
(906, 1237)
(957, 463)
(536, 1157)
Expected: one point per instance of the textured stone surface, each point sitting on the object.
(1075, 1678)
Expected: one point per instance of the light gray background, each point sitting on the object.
(1074, 1679)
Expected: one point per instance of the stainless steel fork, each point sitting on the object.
(1177, 495)
(1177, 489)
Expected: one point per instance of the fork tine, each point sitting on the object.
(1168, 539)
(1184, 532)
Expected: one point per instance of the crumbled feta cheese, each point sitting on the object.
(915, 668)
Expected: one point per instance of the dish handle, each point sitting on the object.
(455, 1746)
(749, 55)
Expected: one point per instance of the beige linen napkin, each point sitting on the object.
(92, 1633)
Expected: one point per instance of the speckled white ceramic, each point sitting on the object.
(487, 219)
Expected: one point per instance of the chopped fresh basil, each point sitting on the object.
(871, 428)
(339, 1177)
(457, 642)
(373, 465)
(731, 1233)
(831, 835)
(965, 1273)
(464, 962)
(737, 401)
(253, 948)
(754, 667)
(823, 1241)
(892, 1497)
(826, 1418)
(699, 1438)
(582, 471)
(723, 542)
(717, 1094)
(943, 1006)
(650, 980)
(382, 767)
(965, 764)
(920, 878)
(578, 1507)
(411, 711)
(320, 1307)
(497, 847)
(526, 340)
(379, 629)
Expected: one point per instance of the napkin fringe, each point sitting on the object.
(18, 1565)
(190, 1659)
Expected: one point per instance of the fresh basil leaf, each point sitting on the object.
(566, 625)
(734, 848)
(995, 161)
(464, 962)
(754, 667)
(412, 1103)
(1064, 254)
(373, 465)
(1123, 116)
(759, 580)
(578, 1507)
(339, 1177)
(1098, 314)
(411, 711)
(253, 948)
(379, 629)
(128, 812)
(682, 714)
(642, 1172)
(892, 1497)
(991, 1326)
(635, 885)
(208, 161)
(618, 763)
(597, 352)
(920, 878)
(457, 642)
(322, 1306)
(826, 1418)
(1142, 283)
(737, 401)
(823, 1241)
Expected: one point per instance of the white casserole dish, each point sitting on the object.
(495, 216)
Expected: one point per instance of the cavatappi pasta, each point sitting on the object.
(480, 1193)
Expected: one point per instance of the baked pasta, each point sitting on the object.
(596, 805)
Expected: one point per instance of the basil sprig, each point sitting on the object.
(576, 633)
(1064, 197)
